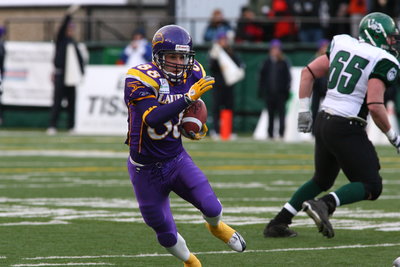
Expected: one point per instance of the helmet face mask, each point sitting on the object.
(395, 44)
(173, 41)
(380, 30)
(175, 72)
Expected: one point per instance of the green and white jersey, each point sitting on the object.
(352, 64)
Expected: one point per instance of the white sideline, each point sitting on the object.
(218, 252)
(62, 264)
(65, 153)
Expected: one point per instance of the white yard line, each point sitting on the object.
(63, 264)
(66, 153)
(216, 252)
(50, 211)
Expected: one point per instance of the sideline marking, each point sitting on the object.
(62, 264)
(217, 252)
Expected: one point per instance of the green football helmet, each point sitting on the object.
(375, 28)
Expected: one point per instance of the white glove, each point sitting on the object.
(394, 139)
(304, 122)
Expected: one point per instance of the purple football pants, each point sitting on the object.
(154, 182)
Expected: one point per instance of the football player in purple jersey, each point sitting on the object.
(156, 94)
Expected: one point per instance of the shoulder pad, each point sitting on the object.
(147, 73)
(198, 70)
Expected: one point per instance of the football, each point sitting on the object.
(194, 117)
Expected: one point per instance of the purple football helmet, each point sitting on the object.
(173, 39)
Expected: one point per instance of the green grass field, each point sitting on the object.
(67, 201)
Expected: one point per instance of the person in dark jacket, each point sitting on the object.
(64, 89)
(274, 86)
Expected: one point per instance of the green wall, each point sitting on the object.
(247, 105)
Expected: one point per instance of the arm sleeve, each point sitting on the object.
(63, 29)
(261, 81)
(386, 71)
(146, 103)
(288, 75)
(155, 114)
(80, 58)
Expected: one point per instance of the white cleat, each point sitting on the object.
(237, 242)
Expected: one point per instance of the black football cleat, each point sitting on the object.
(273, 229)
(318, 211)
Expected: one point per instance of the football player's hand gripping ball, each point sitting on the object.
(304, 122)
(196, 136)
(199, 88)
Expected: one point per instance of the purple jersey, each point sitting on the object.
(146, 89)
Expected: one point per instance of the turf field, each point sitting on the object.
(66, 200)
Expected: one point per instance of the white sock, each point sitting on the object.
(336, 198)
(290, 209)
(180, 250)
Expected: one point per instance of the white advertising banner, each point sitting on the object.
(100, 107)
(28, 71)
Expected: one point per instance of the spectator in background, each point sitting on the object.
(274, 86)
(324, 17)
(284, 28)
(64, 83)
(216, 25)
(357, 10)
(223, 95)
(2, 51)
(248, 29)
(338, 17)
(266, 23)
(138, 51)
(320, 84)
(389, 7)
(2, 58)
(309, 31)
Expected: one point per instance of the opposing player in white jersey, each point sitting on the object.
(359, 71)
